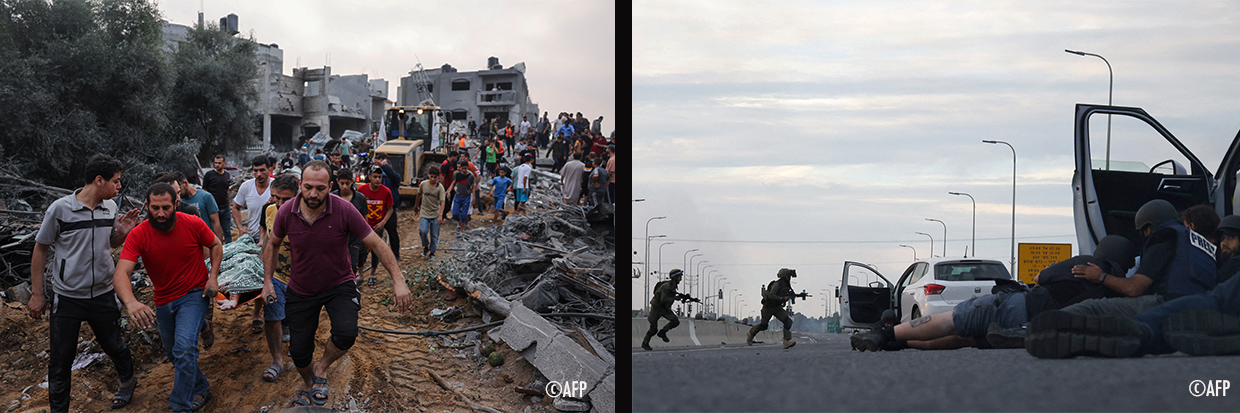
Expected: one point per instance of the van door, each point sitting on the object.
(1120, 168)
(866, 294)
(1223, 195)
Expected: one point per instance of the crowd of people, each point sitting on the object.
(311, 200)
(583, 157)
(180, 244)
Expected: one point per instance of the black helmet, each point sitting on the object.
(1230, 225)
(1154, 213)
(785, 272)
(1116, 250)
(676, 273)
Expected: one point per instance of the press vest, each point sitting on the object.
(1192, 269)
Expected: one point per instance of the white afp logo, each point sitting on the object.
(571, 389)
(1212, 388)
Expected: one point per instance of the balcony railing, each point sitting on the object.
(500, 97)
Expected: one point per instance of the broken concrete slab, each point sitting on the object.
(603, 397)
(555, 355)
(564, 404)
(597, 348)
(524, 327)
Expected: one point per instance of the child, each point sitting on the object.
(464, 181)
(500, 186)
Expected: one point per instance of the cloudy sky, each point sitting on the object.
(804, 134)
(568, 47)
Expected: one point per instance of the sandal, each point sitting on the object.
(272, 373)
(318, 395)
(200, 400)
(302, 399)
(124, 395)
(256, 326)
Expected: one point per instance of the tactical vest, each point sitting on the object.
(1192, 269)
(657, 299)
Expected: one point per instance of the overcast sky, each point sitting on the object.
(847, 123)
(568, 47)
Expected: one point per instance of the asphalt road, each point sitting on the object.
(822, 373)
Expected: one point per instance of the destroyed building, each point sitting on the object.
(466, 94)
(307, 101)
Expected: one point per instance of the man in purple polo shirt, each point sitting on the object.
(318, 226)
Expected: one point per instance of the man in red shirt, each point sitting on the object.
(318, 226)
(170, 245)
(379, 207)
(446, 171)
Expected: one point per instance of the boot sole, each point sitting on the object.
(1203, 333)
(1056, 335)
(862, 345)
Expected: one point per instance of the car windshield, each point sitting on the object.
(970, 271)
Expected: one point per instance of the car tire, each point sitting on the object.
(916, 313)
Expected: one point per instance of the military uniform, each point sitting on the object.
(661, 307)
(774, 297)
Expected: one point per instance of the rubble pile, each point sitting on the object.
(552, 262)
(22, 203)
(551, 275)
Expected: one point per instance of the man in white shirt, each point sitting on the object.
(524, 128)
(522, 184)
(252, 195)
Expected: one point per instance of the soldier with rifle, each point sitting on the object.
(774, 297)
(661, 307)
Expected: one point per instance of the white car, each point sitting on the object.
(928, 286)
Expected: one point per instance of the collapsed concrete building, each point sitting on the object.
(492, 93)
(307, 101)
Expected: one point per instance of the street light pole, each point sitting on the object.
(701, 282)
(1013, 199)
(689, 288)
(661, 254)
(684, 263)
(931, 243)
(646, 258)
(1110, 92)
(914, 250)
(731, 298)
(944, 235)
(974, 245)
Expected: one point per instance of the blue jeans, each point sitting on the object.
(1224, 298)
(179, 322)
(226, 224)
(429, 227)
(275, 311)
(460, 209)
(973, 316)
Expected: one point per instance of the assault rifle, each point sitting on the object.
(685, 298)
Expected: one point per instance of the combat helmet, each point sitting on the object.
(787, 272)
(1154, 213)
(675, 273)
(1116, 250)
(1229, 225)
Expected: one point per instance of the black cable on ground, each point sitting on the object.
(433, 333)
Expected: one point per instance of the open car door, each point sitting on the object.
(1128, 160)
(866, 294)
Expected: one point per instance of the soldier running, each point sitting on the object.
(774, 296)
(661, 307)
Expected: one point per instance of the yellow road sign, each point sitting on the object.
(1036, 257)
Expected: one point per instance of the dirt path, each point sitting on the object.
(382, 372)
